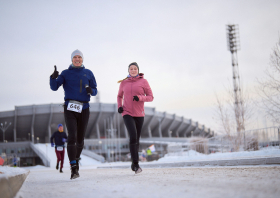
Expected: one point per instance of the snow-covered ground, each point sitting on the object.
(50, 152)
(11, 171)
(194, 156)
(210, 182)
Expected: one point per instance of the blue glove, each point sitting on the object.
(64, 139)
(52, 144)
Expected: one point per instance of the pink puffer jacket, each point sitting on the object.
(134, 86)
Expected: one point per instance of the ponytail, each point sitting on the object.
(122, 80)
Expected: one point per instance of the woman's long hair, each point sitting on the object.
(133, 63)
(122, 80)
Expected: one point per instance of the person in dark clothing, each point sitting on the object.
(79, 85)
(133, 92)
(60, 138)
(15, 161)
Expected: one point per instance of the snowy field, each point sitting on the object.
(50, 152)
(195, 156)
(245, 181)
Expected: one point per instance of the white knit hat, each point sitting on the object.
(77, 52)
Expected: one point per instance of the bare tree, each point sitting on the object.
(269, 87)
(233, 120)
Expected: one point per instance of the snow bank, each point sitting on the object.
(11, 171)
(11, 179)
(193, 155)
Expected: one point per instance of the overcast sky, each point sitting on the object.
(180, 46)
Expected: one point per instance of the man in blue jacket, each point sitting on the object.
(78, 84)
(60, 138)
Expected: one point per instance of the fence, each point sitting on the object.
(251, 140)
(265, 137)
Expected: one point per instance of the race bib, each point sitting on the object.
(59, 148)
(75, 106)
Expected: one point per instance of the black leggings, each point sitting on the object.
(134, 127)
(76, 125)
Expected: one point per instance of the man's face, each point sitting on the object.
(60, 129)
(77, 61)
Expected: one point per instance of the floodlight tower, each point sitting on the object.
(233, 44)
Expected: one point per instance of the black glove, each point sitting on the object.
(120, 110)
(89, 90)
(55, 73)
(135, 98)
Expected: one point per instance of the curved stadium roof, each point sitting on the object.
(40, 121)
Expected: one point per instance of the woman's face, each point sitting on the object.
(77, 61)
(133, 70)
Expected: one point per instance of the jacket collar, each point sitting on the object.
(140, 75)
(72, 68)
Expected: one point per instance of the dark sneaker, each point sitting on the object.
(139, 170)
(74, 172)
(136, 168)
(133, 167)
(57, 166)
(61, 170)
(77, 163)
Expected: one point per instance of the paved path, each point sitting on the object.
(246, 181)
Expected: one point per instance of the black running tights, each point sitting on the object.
(76, 125)
(134, 127)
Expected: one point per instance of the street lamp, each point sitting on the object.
(4, 127)
(100, 146)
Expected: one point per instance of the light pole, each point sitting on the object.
(47, 154)
(4, 127)
(100, 147)
(233, 43)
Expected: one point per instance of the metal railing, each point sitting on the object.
(43, 156)
(251, 140)
(93, 155)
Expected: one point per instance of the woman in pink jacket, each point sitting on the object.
(133, 92)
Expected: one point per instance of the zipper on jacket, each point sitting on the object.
(132, 98)
(81, 85)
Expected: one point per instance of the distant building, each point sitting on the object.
(37, 122)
